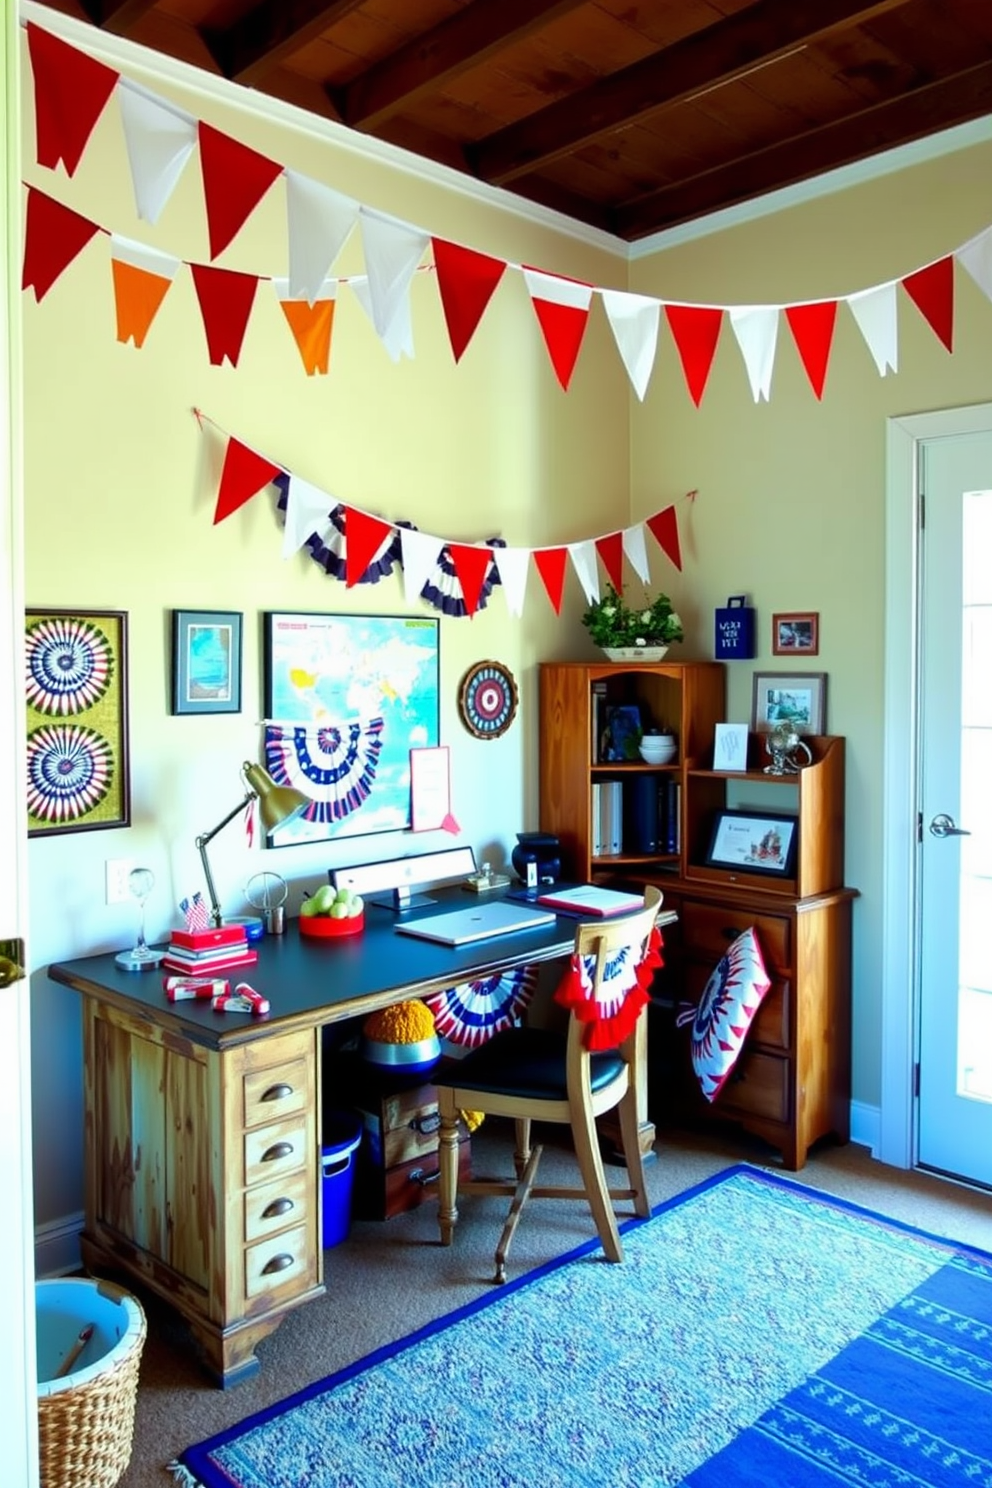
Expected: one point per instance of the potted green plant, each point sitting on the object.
(629, 633)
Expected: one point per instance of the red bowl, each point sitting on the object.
(322, 927)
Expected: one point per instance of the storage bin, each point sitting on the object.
(86, 1417)
(342, 1134)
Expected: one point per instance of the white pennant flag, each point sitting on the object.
(307, 508)
(583, 557)
(140, 256)
(319, 220)
(634, 319)
(160, 139)
(636, 550)
(398, 337)
(756, 329)
(512, 565)
(877, 316)
(420, 555)
(976, 257)
(393, 249)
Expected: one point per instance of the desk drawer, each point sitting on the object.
(278, 1148)
(275, 1263)
(758, 1086)
(276, 1092)
(771, 1022)
(711, 928)
(275, 1206)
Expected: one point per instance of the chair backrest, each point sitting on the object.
(608, 1017)
(601, 938)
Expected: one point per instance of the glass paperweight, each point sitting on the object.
(141, 957)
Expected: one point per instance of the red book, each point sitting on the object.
(176, 961)
(205, 940)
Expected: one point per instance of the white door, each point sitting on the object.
(955, 1022)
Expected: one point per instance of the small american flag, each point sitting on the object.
(196, 912)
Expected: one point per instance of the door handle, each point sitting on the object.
(943, 826)
(11, 961)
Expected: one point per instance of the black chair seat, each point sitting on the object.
(528, 1062)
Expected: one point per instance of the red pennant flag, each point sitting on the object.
(562, 309)
(243, 476)
(466, 281)
(364, 536)
(664, 528)
(551, 566)
(932, 292)
(471, 566)
(235, 179)
(53, 236)
(610, 550)
(696, 329)
(812, 328)
(70, 93)
(225, 300)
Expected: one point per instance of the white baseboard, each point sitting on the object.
(865, 1126)
(56, 1246)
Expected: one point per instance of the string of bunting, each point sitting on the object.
(456, 577)
(71, 91)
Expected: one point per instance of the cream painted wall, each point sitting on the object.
(792, 493)
(119, 515)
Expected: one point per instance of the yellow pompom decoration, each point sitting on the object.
(473, 1119)
(403, 1023)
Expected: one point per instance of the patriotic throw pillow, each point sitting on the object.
(729, 1002)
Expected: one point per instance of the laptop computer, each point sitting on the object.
(476, 922)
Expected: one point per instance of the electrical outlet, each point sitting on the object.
(118, 870)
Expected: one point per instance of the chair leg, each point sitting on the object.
(630, 1136)
(521, 1157)
(520, 1198)
(447, 1214)
(591, 1165)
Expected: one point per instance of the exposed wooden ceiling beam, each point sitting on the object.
(265, 36)
(704, 59)
(463, 41)
(117, 16)
(956, 99)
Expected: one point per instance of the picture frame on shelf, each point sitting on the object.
(796, 633)
(754, 841)
(624, 729)
(730, 747)
(206, 661)
(799, 698)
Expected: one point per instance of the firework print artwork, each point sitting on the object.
(76, 700)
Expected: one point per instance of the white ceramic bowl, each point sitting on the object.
(658, 749)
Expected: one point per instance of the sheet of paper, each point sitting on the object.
(430, 790)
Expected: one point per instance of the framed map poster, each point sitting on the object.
(346, 698)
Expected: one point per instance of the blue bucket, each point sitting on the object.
(342, 1133)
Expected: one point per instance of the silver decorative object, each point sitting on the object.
(788, 750)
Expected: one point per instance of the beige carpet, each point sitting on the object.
(390, 1278)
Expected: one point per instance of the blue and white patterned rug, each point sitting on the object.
(757, 1333)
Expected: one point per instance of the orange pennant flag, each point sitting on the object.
(137, 295)
(311, 326)
(471, 565)
(551, 566)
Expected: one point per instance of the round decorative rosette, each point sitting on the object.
(69, 665)
(333, 764)
(487, 699)
(70, 770)
(471, 1012)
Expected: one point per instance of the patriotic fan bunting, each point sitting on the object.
(332, 763)
(471, 1012)
(622, 994)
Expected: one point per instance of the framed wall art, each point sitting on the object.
(799, 698)
(77, 723)
(206, 661)
(796, 634)
(346, 698)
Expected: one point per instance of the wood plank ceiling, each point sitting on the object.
(628, 115)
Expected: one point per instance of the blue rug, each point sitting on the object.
(757, 1333)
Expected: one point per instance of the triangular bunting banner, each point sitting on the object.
(512, 565)
(466, 281)
(634, 321)
(877, 318)
(235, 178)
(610, 550)
(976, 257)
(562, 310)
(398, 336)
(665, 530)
(471, 565)
(307, 511)
(551, 566)
(696, 330)
(637, 553)
(53, 236)
(365, 536)
(932, 292)
(225, 300)
(420, 554)
(142, 279)
(319, 220)
(812, 328)
(583, 556)
(71, 90)
(393, 249)
(243, 476)
(756, 329)
(160, 138)
(311, 324)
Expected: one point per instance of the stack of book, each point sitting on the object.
(202, 952)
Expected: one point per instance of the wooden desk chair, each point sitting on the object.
(535, 1074)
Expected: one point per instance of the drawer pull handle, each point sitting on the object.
(276, 1208)
(419, 1176)
(426, 1125)
(276, 1151)
(277, 1092)
(277, 1263)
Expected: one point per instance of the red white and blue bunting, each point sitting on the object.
(623, 992)
(471, 1012)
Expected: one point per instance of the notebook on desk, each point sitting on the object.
(476, 922)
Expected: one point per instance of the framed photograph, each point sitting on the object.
(77, 725)
(757, 841)
(346, 699)
(206, 661)
(799, 698)
(795, 633)
(730, 746)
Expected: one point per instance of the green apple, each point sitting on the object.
(343, 896)
(324, 898)
(339, 911)
(355, 906)
(308, 908)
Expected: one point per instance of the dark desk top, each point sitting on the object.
(312, 981)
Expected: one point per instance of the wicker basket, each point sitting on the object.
(86, 1418)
